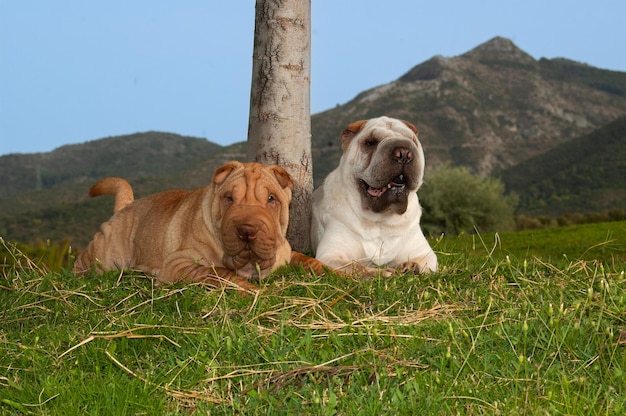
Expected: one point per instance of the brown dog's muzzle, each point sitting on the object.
(249, 235)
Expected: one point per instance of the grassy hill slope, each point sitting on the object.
(586, 174)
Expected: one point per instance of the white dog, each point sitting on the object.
(367, 214)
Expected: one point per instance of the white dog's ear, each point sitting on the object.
(349, 132)
(411, 126)
(283, 177)
(224, 171)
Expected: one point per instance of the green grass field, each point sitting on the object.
(531, 322)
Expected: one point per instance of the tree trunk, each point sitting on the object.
(279, 129)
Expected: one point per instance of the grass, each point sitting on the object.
(515, 323)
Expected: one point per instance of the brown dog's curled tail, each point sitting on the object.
(117, 187)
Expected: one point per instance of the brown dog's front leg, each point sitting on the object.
(310, 263)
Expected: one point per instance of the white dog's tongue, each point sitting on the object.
(376, 192)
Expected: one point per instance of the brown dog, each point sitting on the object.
(229, 231)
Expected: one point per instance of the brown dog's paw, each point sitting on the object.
(243, 286)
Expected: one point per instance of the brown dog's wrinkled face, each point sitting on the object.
(252, 206)
(386, 162)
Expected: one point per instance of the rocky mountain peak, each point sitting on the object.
(425, 71)
(499, 49)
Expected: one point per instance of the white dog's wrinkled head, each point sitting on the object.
(386, 161)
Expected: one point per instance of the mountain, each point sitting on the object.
(487, 109)
(494, 109)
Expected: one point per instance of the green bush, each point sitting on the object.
(44, 255)
(455, 201)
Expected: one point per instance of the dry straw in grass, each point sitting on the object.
(178, 394)
(324, 318)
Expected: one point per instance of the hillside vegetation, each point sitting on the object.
(135, 155)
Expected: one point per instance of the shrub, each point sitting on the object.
(50, 256)
(455, 201)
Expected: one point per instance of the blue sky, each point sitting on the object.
(74, 70)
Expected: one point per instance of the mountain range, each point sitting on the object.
(554, 131)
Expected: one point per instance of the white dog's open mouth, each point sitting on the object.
(397, 182)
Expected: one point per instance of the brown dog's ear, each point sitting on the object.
(411, 126)
(283, 177)
(349, 132)
(224, 171)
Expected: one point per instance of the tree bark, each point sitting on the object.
(279, 129)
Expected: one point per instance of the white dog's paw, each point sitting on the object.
(410, 267)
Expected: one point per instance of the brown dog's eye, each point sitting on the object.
(271, 199)
(228, 199)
